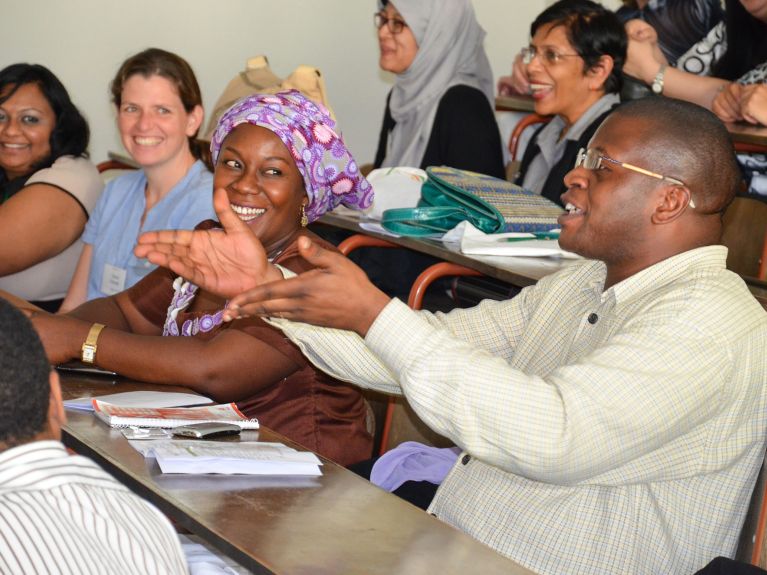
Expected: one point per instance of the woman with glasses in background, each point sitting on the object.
(574, 64)
(440, 110)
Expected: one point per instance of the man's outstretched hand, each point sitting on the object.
(226, 262)
(335, 294)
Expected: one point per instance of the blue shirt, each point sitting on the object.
(115, 225)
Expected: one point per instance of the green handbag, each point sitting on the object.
(450, 196)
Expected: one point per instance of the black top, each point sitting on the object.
(554, 186)
(464, 135)
(679, 23)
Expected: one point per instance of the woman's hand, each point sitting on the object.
(644, 57)
(226, 262)
(517, 83)
(62, 336)
(335, 294)
(753, 103)
(727, 103)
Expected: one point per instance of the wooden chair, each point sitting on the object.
(400, 423)
(524, 123)
(113, 165)
(745, 226)
(763, 261)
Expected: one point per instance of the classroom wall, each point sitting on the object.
(84, 41)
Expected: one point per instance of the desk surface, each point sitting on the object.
(514, 104)
(337, 523)
(516, 271)
(748, 133)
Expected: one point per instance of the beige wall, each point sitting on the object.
(84, 41)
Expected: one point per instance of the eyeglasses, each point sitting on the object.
(549, 56)
(591, 159)
(395, 25)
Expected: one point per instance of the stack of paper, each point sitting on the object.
(140, 399)
(244, 457)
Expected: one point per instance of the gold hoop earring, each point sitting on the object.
(304, 219)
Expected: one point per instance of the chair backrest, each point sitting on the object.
(400, 423)
(110, 169)
(745, 226)
(524, 123)
(763, 261)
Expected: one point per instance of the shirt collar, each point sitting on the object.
(669, 270)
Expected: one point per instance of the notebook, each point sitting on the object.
(118, 416)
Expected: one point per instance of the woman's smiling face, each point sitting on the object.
(263, 184)
(26, 123)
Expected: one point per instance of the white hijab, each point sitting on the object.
(450, 52)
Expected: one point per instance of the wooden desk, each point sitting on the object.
(337, 523)
(514, 104)
(516, 271)
(743, 133)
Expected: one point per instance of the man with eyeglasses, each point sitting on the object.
(613, 416)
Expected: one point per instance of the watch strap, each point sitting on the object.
(657, 83)
(88, 350)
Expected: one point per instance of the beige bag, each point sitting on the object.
(259, 78)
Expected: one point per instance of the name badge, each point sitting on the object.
(113, 280)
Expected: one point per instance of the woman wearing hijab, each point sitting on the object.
(282, 166)
(440, 110)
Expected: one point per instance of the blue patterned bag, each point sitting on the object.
(450, 196)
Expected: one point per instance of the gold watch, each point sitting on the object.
(88, 351)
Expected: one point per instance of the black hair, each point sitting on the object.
(593, 30)
(70, 133)
(24, 372)
(746, 43)
(691, 144)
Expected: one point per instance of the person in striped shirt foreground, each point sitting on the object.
(61, 513)
(612, 416)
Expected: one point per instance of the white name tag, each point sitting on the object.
(113, 280)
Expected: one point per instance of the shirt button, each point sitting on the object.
(465, 459)
(593, 318)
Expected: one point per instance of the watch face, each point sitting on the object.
(656, 88)
(89, 354)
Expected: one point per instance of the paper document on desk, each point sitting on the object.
(229, 458)
(476, 242)
(140, 399)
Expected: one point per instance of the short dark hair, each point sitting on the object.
(593, 30)
(694, 146)
(70, 134)
(24, 372)
(172, 67)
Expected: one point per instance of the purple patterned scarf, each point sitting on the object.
(331, 175)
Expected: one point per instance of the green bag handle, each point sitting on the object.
(419, 222)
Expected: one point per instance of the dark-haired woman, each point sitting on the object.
(48, 187)
(722, 73)
(573, 62)
(159, 112)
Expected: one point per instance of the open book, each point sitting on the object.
(117, 416)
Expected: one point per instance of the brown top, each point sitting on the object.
(310, 407)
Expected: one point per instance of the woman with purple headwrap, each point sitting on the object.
(282, 166)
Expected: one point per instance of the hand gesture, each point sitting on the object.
(753, 103)
(518, 82)
(335, 294)
(644, 57)
(727, 103)
(226, 262)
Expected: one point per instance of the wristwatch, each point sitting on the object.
(657, 83)
(88, 351)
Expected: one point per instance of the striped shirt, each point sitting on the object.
(63, 514)
(615, 431)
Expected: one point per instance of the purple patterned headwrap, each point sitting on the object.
(331, 175)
